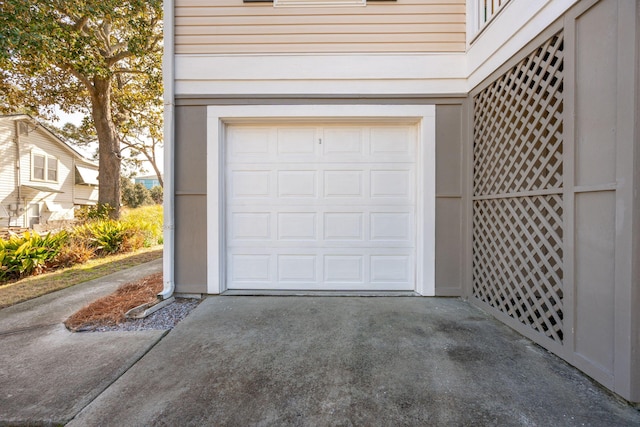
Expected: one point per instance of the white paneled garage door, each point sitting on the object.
(321, 207)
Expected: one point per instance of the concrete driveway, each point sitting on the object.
(325, 361)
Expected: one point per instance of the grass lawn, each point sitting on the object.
(35, 286)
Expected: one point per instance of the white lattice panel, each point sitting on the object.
(517, 183)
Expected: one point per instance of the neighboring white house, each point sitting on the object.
(42, 179)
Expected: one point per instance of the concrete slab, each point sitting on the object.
(48, 374)
(350, 361)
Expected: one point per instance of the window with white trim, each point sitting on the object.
(52, 169)
(44, 168)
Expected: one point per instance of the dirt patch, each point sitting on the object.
(110, 310)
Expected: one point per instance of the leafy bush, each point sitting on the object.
(29, 253)
(134, 195)
(93, 213)
(104, 236)
(157, 194)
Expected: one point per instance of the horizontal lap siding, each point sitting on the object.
(230, 26)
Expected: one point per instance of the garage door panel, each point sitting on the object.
(297, 183)
(251, 183)
(251, 226)
(250, 142)
(392, 143)
(297, 268)
(392, 183)
(297, 226)
(343, 183)
(297, 143)
(391, 269)
(251, 268)
(342, 269)
(323, 208)
(388, 226)
(344, 144)
(344, 226)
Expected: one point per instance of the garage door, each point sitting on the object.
(320, 207)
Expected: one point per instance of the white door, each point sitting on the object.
(321, 207)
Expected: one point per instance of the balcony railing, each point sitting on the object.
(484, 11)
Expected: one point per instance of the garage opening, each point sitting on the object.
(321, 207)
(320, 203)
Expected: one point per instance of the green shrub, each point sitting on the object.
(134, 195)
(105, 236)
(157, 194)
(29, 253)
(93, 213)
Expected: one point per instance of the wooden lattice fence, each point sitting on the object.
(517, 192)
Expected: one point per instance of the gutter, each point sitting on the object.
(168, 189)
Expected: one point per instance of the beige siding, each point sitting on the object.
(231, 26)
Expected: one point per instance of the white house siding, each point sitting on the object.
(37, 141)
(7, 169)
(231, 26)
(85, 195)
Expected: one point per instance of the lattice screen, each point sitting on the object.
(517, 191)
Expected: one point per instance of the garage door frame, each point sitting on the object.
(218, 117)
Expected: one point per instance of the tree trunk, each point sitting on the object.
(154, 164)
(108, 146)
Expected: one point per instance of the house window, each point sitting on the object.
(52, 169)
(44, 168)
(39, 166)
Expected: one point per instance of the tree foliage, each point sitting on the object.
(99, 57)
(135, 195)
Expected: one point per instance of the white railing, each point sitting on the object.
(484, 11)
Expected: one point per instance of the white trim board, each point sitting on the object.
(219, 116)
(320, 73)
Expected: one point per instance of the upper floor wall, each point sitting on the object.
(235, 26)
(410, 47)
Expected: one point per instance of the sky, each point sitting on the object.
(76, 119)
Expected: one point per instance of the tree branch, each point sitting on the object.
(87, 83)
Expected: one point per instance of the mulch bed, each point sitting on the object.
(110, 310)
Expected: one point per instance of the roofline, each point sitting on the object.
(51, 134)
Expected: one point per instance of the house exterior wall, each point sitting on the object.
(85, 195)
(596, 299)
(231, 26)
(37, 142)
(600, 207)
(191, 192)
(7, 169)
